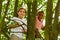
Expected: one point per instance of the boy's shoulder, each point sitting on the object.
(14, 18)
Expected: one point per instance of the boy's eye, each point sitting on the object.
(40, 15)
(22, 11)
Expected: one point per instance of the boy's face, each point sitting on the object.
(21, 13)
(40, 15)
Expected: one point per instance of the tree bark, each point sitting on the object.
(15, 8)
(0, 16)
(57, 12)
(31, 19)
(28, 21)
(49, 13)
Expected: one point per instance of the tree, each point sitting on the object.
(48, 20)
(3, 17)
(31, 19)
(15, 8)
(51, 32)
(0, 16)
(55, 26)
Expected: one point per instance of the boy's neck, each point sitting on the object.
(20, 17)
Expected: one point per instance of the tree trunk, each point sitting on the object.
(57, 11)
(0, 16)
(15, 8)
(28, 21)
(48, 29)
(3, 18)
(31, 19)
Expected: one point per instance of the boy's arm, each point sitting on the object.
(13, 25)
(24, 29)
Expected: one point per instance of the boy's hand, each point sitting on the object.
(13, 25)
(25, 31)
(43, 28)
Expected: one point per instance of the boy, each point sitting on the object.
(39, 24)
(16, 30)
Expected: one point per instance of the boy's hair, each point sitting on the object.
(21, 8)
(40, 12)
